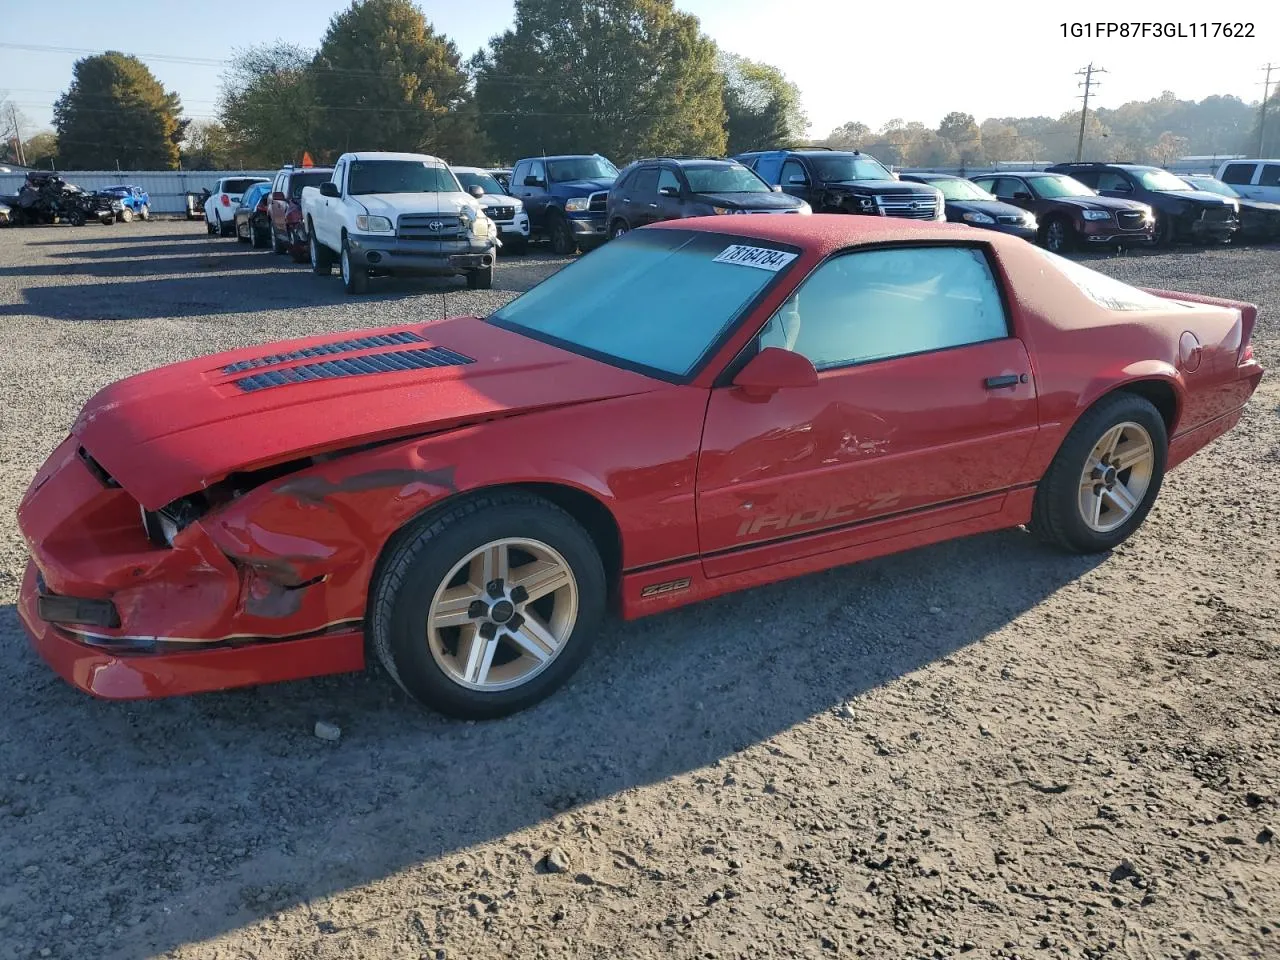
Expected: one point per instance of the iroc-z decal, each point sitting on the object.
(804, 518)
(670, 586)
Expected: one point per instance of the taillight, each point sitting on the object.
(226, 201)
(1247, 353)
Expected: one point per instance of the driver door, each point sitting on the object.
(924, 413)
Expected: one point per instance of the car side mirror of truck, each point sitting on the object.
(669, 191)
(329, 189)
(1022, 195)
(279, 195)
(476, 191)
(776, 188)
(533, 182)
(772, 369)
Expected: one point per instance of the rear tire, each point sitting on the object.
(1116, 489)
(428, 556)
(618, 228)
(277, 247)
(321, 257)
(226, 229)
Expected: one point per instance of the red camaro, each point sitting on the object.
(696, 408)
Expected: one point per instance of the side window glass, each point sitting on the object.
(881, 304)
(769, 168)
(538, 169)
(1238, 173)
(793, 174)
(1270, 175)
(1110, 181)
(646, 183)
(1006, 187)
(667, 178)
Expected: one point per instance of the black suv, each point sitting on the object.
(836, 181)
(670, 188)
(1182, 212)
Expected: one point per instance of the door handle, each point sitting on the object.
(1008, 380)
(654, 205)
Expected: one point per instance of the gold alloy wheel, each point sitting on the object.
(502, 614)
(1116, 476)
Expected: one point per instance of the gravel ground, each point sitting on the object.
(980, 749)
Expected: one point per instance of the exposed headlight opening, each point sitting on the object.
(160, 529)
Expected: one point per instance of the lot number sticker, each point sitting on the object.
(761, 258)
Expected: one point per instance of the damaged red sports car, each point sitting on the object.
(696, 408)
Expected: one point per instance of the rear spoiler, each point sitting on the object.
(1248, 311)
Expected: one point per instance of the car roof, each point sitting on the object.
(458, 169)
(563, 156)
(825, 233)
(930, 176)
(380, 155)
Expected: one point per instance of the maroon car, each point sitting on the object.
(288, 231)
(1070, 214)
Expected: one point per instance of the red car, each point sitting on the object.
(699, 407)
(288, 232)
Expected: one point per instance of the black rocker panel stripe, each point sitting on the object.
(393, 361)
(326, 349)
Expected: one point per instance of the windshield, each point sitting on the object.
(1213, 186)
(724, 179)
(1162, 180)
(240, 185)
(399, 176)
(837, 169)
(482, 180)
(580, 168)
(299, 180)
(1059, 186)
(656, 299)
(117, 191)
(254, 193)
(960, 190)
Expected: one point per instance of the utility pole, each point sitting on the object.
(1088, 83)
(17, 135)
(1262, 117)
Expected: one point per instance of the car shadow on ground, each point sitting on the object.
(213, 812)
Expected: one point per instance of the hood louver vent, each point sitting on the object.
(326, 349)
(393, 361)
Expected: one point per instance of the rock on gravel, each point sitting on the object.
(328, 731)
(908, 833)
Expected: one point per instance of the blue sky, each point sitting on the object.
(868, 61)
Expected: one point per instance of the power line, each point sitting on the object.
(1262, 116)
(1089, 83)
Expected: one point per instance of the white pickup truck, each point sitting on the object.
(398, 213)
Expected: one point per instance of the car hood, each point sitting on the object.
(1097, 203)
(1198, 196)
(178, 429)
(886, 187)
(1261, 206)
(752, 201)
(395, 204)
(992, 208)
(576, 187)
(500, 200)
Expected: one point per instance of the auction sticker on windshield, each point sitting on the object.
(760, 257)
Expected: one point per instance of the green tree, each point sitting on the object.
(1248, 144)
(848, 136)
(961, 131)
(41, 148)
(762, 107)
(268, 103)
(209, 147)
(385, 80)
(625, 78)
(116, 112)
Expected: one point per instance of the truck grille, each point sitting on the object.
(916, 208)
(1217, 214)
(428, 226)
(598, 201)
(1130, 219)
(500, 213)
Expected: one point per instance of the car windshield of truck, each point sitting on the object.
(1213, 186)
(482, 180)
(840, 169)
(399, 176)
(299, 180)
(960, 190)
(1054, 186)
(1163, 181)
(240, 186)
(724, 179)
(654, 300)
(117, 191)
(580, 168)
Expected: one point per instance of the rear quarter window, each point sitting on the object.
(1270, 176)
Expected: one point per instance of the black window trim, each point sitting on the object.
(731, 327)
(751, 347)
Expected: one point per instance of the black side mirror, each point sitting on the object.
(329, 189)
(534, 182)
(476, 191)
(1022, 195)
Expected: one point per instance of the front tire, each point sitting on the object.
(277, 247)
(321, 257)
(1105, 478)
(481, 279)
(562, 241)
(126, 215)
(355, 278)
(487, 607)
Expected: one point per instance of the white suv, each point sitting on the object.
(499, 206)
(220, 208)
(1255, 179)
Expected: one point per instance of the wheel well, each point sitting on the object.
(1160, 395)
(594, 517)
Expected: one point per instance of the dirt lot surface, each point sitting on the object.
(981, 749)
